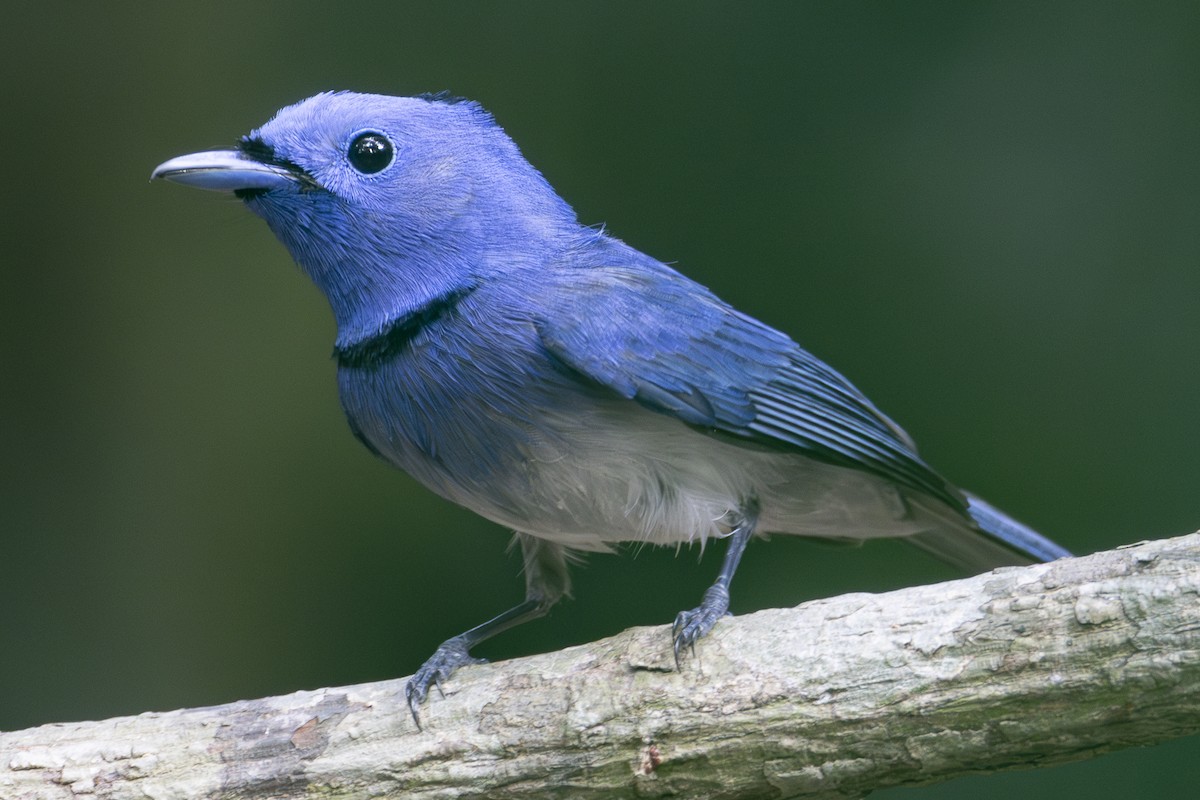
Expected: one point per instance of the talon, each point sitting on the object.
(691, 626)
(451, 655)
(415, 698)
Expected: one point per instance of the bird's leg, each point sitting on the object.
(690, 626)
(455, 652)
(546, 581)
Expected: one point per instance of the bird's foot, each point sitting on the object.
(691, 626)
(449, 656)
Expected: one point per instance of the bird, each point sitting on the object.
(559, 382)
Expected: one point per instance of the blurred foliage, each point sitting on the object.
(986, 214)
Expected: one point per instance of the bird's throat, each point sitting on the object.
(395, 335)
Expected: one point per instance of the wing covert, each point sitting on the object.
(655, 337)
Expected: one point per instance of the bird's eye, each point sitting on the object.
(370, 152)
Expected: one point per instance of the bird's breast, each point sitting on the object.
(505, 431)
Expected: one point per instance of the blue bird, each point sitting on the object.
(559, 382)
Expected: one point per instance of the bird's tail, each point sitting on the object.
(996, 540)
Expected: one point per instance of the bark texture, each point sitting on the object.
(1016, 668)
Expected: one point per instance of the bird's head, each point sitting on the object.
(387, 202)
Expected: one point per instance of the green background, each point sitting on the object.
(987, 215)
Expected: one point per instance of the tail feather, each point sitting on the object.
(998, 540)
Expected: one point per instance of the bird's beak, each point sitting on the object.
(224, 171)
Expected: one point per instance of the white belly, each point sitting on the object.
(619, 473)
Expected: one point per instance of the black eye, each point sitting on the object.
(370, 152)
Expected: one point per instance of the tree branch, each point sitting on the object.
(1017, 668)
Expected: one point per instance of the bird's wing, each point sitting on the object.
(655, 337)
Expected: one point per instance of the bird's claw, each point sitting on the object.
(449, 656)
(691, 626)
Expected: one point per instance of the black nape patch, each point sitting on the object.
(443, 96)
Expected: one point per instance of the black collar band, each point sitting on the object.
(394, 337)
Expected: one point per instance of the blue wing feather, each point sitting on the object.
(656, 337)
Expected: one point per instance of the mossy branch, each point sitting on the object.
(1017, 668)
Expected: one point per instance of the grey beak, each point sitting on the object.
(223, 171)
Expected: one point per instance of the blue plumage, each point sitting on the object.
(556, 380)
